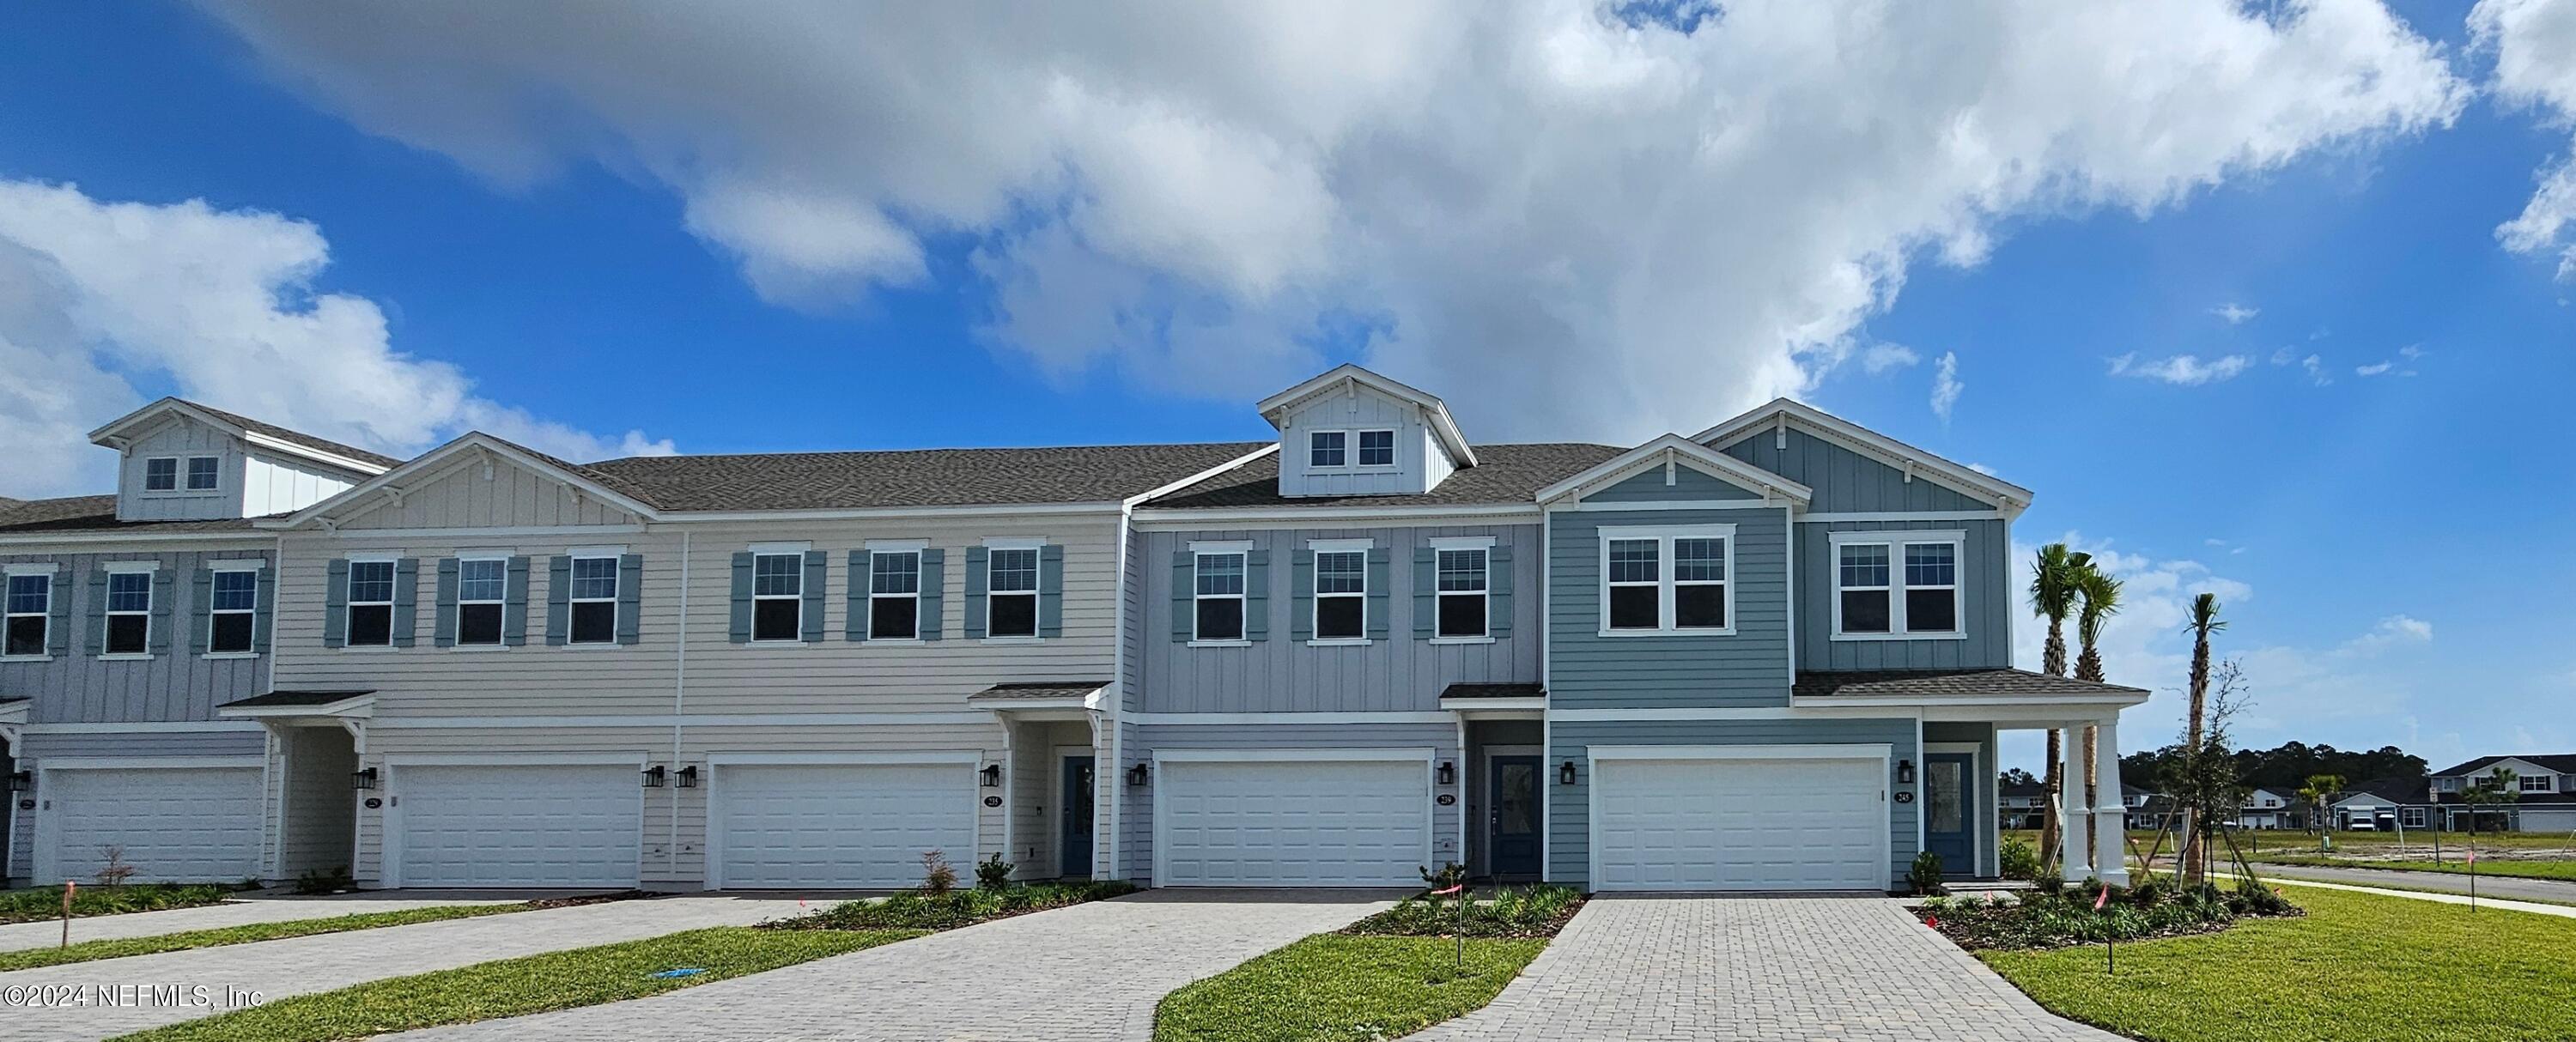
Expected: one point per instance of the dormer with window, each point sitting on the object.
(1351, 432)
(189, 462)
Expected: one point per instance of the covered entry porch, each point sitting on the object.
(1048, 779)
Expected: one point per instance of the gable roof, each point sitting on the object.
(117, 432)
(2563, 763)
(1443, 426)
(2009, 497)
(1509, 475)
(1678, 449)
(390, 482)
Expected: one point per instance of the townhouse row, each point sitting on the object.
(1772, 655)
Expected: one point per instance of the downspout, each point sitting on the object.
(1547, 697)
(679, 697)
(1115, 866)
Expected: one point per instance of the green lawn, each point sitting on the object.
(34, 904)
(117, 948)
(1343, 988)
(2560, 870)
(515, 987)
(2356, 966)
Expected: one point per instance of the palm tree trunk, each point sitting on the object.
(2053, 661)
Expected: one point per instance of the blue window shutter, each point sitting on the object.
(1301, 595)
(201, 609)
(1051, 590)
(856, 628)
(156, 632)
(558, 600)
(630, 598)
(976, 560)
(442, 627)
(58, 628)
(817, 567)
(1426, 591)
(740, 630)
(97, 612)
(1378, 594)
(406, 600)
(1185, 622)
(335, 606)
(1498, 591)
(514, 604)
(934, 589)
(262, 617)
(1256, 595)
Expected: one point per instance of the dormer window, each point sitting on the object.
(161, 474)
(1377, 448)
(1328, 449)
(204, 473)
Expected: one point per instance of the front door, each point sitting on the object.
(1077, 817)
(1512, 836)
(1949, 818)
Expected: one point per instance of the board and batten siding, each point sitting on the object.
(1138, 802)
(1845, 481)
(1986, 601)
(177, 684)
(1749, 667)
(1281, 674)
(1421, 462)
(1569, 808)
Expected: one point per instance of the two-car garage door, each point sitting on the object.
(1293, 822)
(1816, 822)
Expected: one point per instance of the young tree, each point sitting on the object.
(2099, 595)
(2320, 790)
(2501, 786)
(2204, 621)
(2201, 779)
(2052, 597)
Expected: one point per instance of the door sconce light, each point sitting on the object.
(23, 781)
(656, 776)
(362, 779)
(1904, 772)
(689, 776)
(992, 774)
(1565, 773)
(1448, 772)
(1137, 775)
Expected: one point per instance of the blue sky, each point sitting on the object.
(579, 259)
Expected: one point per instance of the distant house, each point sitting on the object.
(2272, 809)
(2023, 806)
(2544, 798)
(2385, 805)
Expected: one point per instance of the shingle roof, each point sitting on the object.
(1948, 683)
(295, 436)
(1493, 691)
(2563, 763)
(287, 699)
(1040, 689)
(1502, 474)
(2394, 790)
(97, 514)
(909, 478)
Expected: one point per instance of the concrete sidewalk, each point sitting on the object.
(2488, 886)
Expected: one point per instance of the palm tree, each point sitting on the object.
(2098, 596)
(2204, 621)
(2052, 597)
(2321, 788)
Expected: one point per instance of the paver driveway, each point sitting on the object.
(1751, 969)
(1092, 971)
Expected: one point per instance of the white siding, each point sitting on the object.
(182, 438)
(273, 484)
(1355, 409)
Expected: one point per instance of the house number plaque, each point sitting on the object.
(1448, 799)
(992, 801)
(1904, 797)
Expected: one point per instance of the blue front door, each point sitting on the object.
(1949, 811)
(1077, 817)
(1513, 817)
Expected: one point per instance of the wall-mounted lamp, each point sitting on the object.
(1904, 772)
(992, 775)
(1565, 773)
(656, 776)
(1448, 772)
(689, 776)
(23, 781)
(363, 778)
(1137, 775)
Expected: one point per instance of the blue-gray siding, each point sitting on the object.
(175, 684)
(1986, 602)
(1688, 486)
(1845, 481)
(1749, 667)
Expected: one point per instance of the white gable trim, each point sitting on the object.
(435, 463)
(1275, 408)
(1675, 449)
(2012, 498)
(117, 433)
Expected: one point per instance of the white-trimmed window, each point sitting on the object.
(482, 588)
(1217, 593)
(231, 609)
(1328, 448)
(2411, 817)
(1377, 448)
(28, 614)
(1341, 591)
(1896, 585)
(894, 594)
(594, 599)
(129, 612)
(2538, 782)
(161, 474)
(1011, 591)
(1462, 574)
(1668, 580)
(778, 596)
(204, 473)
(371, 604)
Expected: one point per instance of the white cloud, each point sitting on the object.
(2235, 314)
(2373, 369)
(2534, 42)
(1879, 358)
(1946, 385)
(220, 304)
(1569, 223)
(2392, 631)
(2183, 370)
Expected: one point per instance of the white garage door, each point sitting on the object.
(175, 824)
(841, 825)
(1739, 824)
(1293, 823)
(520, 825)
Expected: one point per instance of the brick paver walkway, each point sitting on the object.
(1757, 970)
(1089, 972)
(213, 917)
(303, 965)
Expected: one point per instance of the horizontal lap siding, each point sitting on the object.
(1747, 668)
(1986, 602)
(1569, 807)
(1138, 802)
(175, 685)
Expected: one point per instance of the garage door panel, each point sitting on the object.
(184, 824)
(513, 825)
(859, 826)
(1294, 823)
(1752, 824)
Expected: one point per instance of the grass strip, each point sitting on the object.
(1343, 988)
(35, 904)
(120, 947)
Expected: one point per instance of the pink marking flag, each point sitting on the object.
(1451, 890)
(2102, 899)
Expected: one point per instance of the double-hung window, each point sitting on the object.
(594, 600)
(1328, 449)
(894, 595)
(161, 474)
(1011, 592)
(1341, 593)
(482, 585)
(29, 610)
(2411, 817)
(204, 472)
(1464, 585)
(234, 594)
(2538, 783)
(129, 613)
(1896, 585)
(1668, 580)
(778, 596)
(371, 604)
(1216, 579)
(1377, 448)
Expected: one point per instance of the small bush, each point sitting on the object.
(2020, 859)
(993, 873)
(322, 881)
(937, 875)
(1925, 875)
(31, 905)
(2049, 882)
(1537, 911)
(2066, 916)
(952, 909)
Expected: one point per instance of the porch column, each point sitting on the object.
(2111, 812)
(2075, 860)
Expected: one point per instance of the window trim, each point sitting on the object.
(1200, 550)
(912, 550)
(214, 579)
(456, 611)
(1035, 594)
(1663, 535)
(1392, 455)
(107, 613)
(1345, 448)
(391, 559)
(175, 476)
(2411, 817)
(188, 474)
(1483, 544)
(2548, 783)
(1315, 611)
(53, 588)
(792, 551)
(1896, 540)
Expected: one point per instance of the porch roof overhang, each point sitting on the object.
(1495, 701)
(13, 719)
(2008, 694)
(1041, 699)
(302, 706)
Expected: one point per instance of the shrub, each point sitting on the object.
(953, 908)
(1925, 875)
(114, 871)
(2048, 882)
(1536, 911)
(993, 873)
(2066, 916)
(937, 875)
(19, 906)
(2020, 859)
(321, 881)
